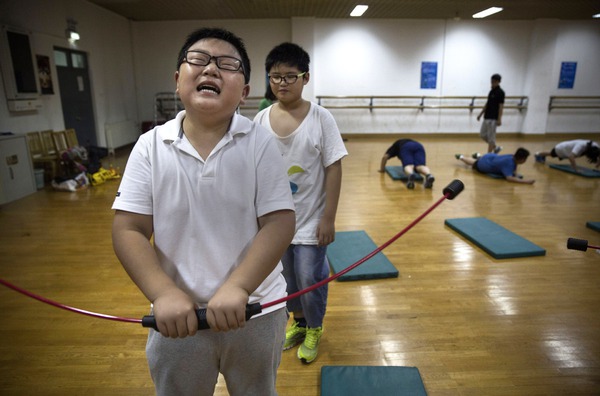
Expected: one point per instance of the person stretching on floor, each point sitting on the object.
(505, 165)
(412, 155)
(572, 149)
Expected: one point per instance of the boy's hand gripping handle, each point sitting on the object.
(251, 310)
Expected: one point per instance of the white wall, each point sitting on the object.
(105, 37)
(131, 61)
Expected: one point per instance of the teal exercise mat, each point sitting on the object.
(497, 241)
(594, 225)
(585, 172)
(351, 246)
(371, 380)
(397, 173)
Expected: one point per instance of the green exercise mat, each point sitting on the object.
(371, 380)
(594, 225)
(585, 172)
(497, 241)
(397, 173)
(351, 246)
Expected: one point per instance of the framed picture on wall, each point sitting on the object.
(43, 65)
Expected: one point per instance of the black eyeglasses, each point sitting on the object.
(288, 78)
(201, 58)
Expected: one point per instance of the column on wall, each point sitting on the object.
(303, 34)
(538, 81)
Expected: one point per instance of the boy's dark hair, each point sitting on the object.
(521, 154)
(220, 34)
(592, 152)
(289, 54)
(496, 77)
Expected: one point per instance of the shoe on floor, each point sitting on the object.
(475, 155)
(410, 184)
(310, 347)
(294, 336)
(429, 181)
(540, 158)
(497, 149)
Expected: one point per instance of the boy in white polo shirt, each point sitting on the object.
(210, 187)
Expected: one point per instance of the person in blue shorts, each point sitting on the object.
(504, 165)
(412, 155)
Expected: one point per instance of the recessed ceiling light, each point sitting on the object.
(488, 12)
(596, 16)
(359, 10)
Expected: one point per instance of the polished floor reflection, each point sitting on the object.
(471, 324)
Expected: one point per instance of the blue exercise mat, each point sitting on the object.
(397, 173)
(585, 172)
(494, 239)
(351, 246)
(371, 380)
(594, 225)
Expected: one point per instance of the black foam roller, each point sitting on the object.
(577, 244)
(453, 189)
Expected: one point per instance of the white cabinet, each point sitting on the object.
(16, 172)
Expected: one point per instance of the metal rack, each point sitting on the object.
(166, 106)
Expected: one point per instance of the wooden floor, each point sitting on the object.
(471, 324)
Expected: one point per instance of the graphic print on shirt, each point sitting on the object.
(292, 171)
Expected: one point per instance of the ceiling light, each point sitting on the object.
(73, 36)
(488, 12)
(596, 16)
(359, 10)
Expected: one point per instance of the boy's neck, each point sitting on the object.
(296, 105)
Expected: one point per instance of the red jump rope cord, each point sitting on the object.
(359, 262)
(66, 307)
(266, 305)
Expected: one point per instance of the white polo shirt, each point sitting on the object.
(205, 211)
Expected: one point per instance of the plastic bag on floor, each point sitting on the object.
(79, 182)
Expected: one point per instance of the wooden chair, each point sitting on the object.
(40, 155)
(48, 142)
(60, 141)
(71, 137)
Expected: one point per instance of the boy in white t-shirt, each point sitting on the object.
(572, 149)
(210, 188)
(312, 149)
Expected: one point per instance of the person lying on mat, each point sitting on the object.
(572, 149)
(412, 155)
(504, 165)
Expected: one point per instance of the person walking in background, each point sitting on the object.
(492, 115)
(312, 148)
(572, 149)
(412, 155)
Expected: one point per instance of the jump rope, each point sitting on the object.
(450, 192)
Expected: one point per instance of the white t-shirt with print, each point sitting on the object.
(312, 147)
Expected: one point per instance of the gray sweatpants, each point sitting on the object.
(248, 358)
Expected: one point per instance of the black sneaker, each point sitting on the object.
(410, 184)
(429, 181)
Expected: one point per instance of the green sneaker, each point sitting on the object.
(310, 347)
(294, 336)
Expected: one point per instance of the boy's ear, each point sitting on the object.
(306, 78)
(245, 93)
(176, 81)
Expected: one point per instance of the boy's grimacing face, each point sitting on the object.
(208, 87)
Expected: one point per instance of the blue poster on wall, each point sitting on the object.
(567, 75)
(428, 75)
